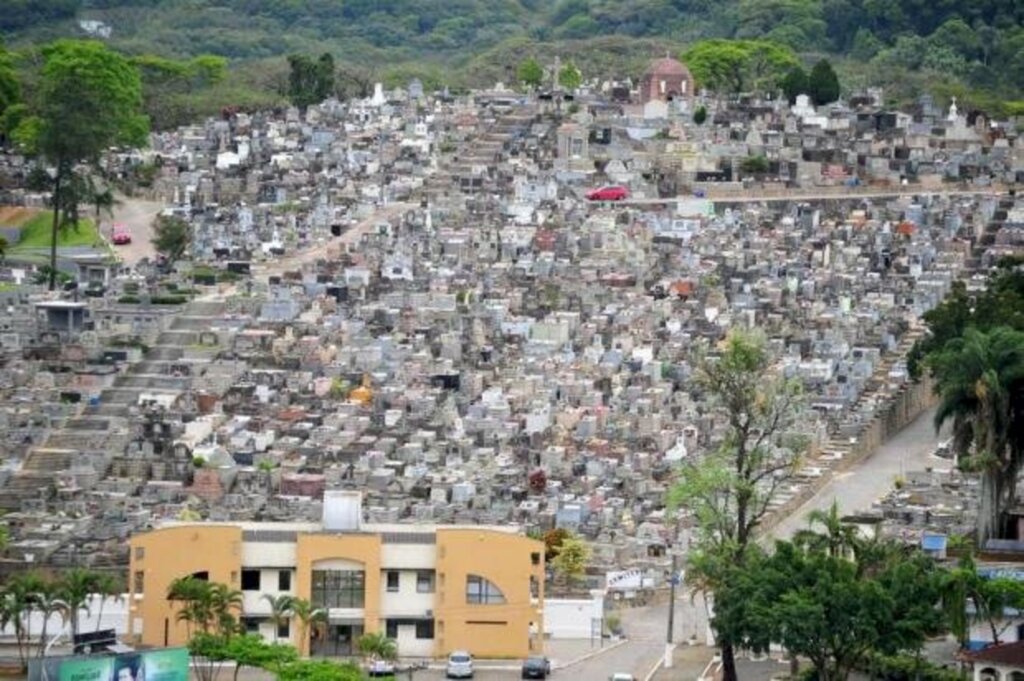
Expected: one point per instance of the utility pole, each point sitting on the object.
(673, 580)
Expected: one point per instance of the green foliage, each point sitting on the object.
(907, 668)
(981, 41)
(171, 236)
(572, 559)
(795, 83)
(10, 88)
(35, 234)
(754, 165)
(530, 73)
(739, 65)
(89, 99)
(700, 115)
(309, 81)
(320, 670)
(823, 83)
(19, 14)
(730, 489)
(830, 609)
(376, 645)
(980, 381)
(570, 77)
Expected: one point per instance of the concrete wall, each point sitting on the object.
(571, 618)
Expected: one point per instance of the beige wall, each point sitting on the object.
(168, 554)
(493, 631)
(359, 548)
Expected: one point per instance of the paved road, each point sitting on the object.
(856, 489)
(645, 628)
(137, 216)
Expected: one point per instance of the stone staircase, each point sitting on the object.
(101, 431)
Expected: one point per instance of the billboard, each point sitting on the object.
(167, 664)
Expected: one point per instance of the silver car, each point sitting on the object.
(460, 665)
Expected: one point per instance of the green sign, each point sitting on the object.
(87, 669)
(165, 665)
(169, 664)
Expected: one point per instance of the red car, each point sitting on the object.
(614, 193)
(121, 236)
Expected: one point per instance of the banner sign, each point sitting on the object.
(167, 664)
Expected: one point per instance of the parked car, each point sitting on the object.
(380, 668)
(536, 668)
(612, 193)
(460, 665)
(620, 676)
(121, 236)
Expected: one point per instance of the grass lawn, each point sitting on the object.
(36, 234)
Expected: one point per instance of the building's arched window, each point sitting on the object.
(482, 591)
(989, 674)
(1015, 676)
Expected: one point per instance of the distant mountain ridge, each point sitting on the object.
(979, 43)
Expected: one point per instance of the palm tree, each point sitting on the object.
(376, 645)
(838, 537)
(74, 589)
(193, 597)
(224, 603)
(107, 586)
(310, 618)
(280, 610)
(980, 381)
(16, 609)
(47, 603)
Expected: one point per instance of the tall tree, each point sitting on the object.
(570, 77)
(280, 609)
(728, 492)
(838, 538)
(17, 603)
(980, 380)
(89, 99)
(310, 82)
(530, 73)
(572, 559)
(74, 588)
(108, 587)
(823, 83)
(324, 76)
(739, 65)
(10, 88)
(171, 236)
(795, 83)
(310, 617)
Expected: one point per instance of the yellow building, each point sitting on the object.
(432, 588)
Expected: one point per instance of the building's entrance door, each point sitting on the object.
(337, 640)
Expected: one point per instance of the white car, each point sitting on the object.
(379, 667)
(460, 665)
(621, 677)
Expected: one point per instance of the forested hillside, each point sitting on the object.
(971, 48)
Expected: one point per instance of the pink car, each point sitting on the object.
(613, 193)
(121, 236)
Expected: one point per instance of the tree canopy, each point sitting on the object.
(739, 65)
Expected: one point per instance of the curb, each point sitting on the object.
(654, 670)
(591, 655)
